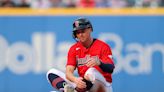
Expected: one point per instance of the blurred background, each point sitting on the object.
(81, 3)
(35, 36)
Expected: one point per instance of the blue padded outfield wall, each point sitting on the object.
(31, 45)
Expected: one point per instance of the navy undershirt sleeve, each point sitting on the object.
(106, 67)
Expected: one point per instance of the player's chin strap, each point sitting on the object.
(76, 39)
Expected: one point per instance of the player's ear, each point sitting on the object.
(91, 29)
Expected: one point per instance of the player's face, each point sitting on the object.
(83, 35)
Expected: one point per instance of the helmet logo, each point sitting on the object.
(76, 23)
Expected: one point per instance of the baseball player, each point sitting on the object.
(91, 57)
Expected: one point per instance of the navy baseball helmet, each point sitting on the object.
(81, 23)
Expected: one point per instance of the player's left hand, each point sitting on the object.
(92, 62)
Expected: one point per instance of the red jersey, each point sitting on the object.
(78, 56)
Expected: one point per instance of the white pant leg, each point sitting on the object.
(93, 75)
(109, 88)
(60, 74)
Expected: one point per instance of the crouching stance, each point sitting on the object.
(93, 82)
(91, 57)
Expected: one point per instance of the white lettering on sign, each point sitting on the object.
(45, 53)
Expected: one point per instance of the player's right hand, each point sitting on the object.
(80, 83)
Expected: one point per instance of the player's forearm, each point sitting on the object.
(70, 76)
(107, 67)
(69, 73)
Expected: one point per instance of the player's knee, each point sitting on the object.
(89, 75)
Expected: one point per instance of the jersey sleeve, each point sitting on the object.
(106, 56)
(71, 58)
